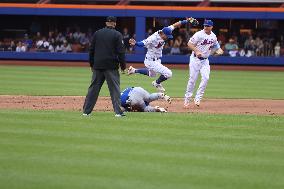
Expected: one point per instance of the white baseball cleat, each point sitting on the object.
(186, 103)
(131, 70)
(167, 98)
(159, 109)
(159, 87)
(197, 103)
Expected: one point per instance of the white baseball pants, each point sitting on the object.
(197, 66)
(157, 67)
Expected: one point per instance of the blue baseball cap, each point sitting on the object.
(208, 23)
(168, 32)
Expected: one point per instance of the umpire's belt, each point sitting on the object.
(200, 58)
(152, 58)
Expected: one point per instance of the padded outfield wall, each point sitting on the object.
(140, 13)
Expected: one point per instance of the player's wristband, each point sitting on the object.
(183, 21)
(139, 44)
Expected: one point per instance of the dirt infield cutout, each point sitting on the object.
(211, 106)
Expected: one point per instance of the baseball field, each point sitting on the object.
(234, 140)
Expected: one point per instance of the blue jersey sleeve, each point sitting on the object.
(140, 44)
(124, 96)
(183, 22)
(216, 46)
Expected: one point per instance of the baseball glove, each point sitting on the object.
(193, 21)
(136, 108)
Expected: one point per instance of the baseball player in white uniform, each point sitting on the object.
(154, 45)
(202, 43)
(137, 99)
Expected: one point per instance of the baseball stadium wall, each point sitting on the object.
(140, 13)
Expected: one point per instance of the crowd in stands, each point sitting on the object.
(54, 41)
(74, 40)
(248, 45)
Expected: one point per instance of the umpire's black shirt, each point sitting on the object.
(107, 50)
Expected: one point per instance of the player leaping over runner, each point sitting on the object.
(154, 45)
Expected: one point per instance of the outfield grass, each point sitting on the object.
(57, 149)
(74, 81)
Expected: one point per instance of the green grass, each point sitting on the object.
(62, 149)
(57, 149)
(74, 81)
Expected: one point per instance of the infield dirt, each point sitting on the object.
(211, 106)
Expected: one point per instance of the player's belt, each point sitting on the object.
(200, 58)
(152, 58)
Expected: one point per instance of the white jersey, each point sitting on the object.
(204, 42)
(155, 44)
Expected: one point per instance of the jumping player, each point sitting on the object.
(154, 45)
(137, 99)
(202, 44)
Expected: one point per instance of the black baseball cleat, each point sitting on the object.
(84, 114)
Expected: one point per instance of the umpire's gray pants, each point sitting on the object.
(113, 81)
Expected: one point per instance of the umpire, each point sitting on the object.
(107, 52)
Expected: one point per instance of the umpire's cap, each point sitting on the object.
(111, 19)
